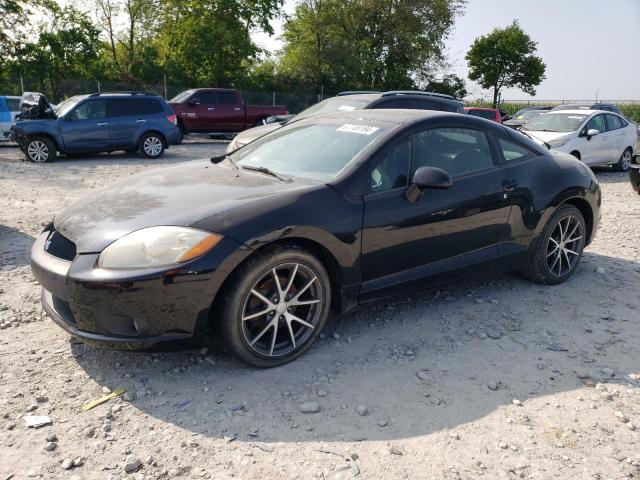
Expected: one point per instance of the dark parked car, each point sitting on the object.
(358, 100)
(331, 211)
(522, 116)
(607, 107)
(100, 122)
(219, 110)
(492, 114)
(634, 173)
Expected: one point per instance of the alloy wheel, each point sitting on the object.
(281, 310)
(152, 146)
(564, 246)
(38, 151)
(625, 161)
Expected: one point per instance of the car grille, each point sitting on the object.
(59, 246)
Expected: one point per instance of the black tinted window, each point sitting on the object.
(512, 151)
(125, 107)
(227, 98)
(488, 114)
(451, 107)
(206, 98)
(613, 122)
(391, 169)
(13, 104)
(456, 150)
(151, 106)
(90, 110)
(410, 103)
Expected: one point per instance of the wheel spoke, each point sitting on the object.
(291, 335)
(553, 251)
(262, 332)
(572, 240)
(555, 262)
(304, 289)
(256, 315)
(298, 303)
(293, 318)
(276, 281)
(275, 335)
(291, 279)
(567, 250)
(261, 297)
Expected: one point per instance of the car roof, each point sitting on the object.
(577, 111)
(484, 109)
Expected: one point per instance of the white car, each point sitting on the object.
(593, 136)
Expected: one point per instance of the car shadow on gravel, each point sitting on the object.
(15, 248)
(608, 175)
(419, 364)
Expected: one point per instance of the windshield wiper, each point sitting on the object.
(267, 171)
(533, 137)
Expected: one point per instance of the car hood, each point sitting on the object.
(541, 137)
(180, 195)
(256, 132)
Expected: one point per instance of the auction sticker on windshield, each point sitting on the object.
(361, 129)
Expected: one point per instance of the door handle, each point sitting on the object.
(211, 109)
(103, 123)
(509, 184)
(141, 121)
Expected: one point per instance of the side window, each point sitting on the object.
(613, 122)
(458, 151)
(13, 104)
(150, 106)
(206, 97)
(227, 98)
(90, 110)
(391, 170)
(409, 103)
(124, 107)
(596, 122)
(513, 151)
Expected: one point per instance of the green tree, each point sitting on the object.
(209, 42)
(449, 85)
(380, 44)
(505, 58)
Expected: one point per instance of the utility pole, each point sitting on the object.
(164, 76)
(21, 84)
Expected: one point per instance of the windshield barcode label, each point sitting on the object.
(361, 129)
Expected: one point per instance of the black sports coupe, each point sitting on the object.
(332, 211)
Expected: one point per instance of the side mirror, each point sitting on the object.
(427, 177)
(194, 102)
(592, 132)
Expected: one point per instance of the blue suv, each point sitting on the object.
(100, 122)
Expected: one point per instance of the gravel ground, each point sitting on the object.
(496, 378)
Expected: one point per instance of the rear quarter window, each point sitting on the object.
(152, 106)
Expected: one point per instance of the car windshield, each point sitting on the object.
(182, 96)
(488, 114)
(317, 151)
(65, 106)
(556, 122)
(335, 104)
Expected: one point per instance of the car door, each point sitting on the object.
(126, 120)
(446, 234)
(594, 149)
(617, 137)
(196, 114)
(85, 128)
(230, 112)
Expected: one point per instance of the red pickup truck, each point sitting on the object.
(219, 110)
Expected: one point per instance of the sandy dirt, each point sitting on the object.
(496, 378)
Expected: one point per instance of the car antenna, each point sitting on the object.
(220, 158)
(533, 137)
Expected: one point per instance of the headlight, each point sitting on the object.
(156, 247)
(558, 143)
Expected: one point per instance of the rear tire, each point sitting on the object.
(151, 145)
(40, 149)
(624, 163)
(557, 251)
(262, 329)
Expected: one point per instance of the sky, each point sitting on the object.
(589, 46)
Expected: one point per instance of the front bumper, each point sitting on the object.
(130, 309)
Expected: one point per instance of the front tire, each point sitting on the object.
(556, 253)
(40, 149)
(151, 145)
(274, 306)
(624, 163)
